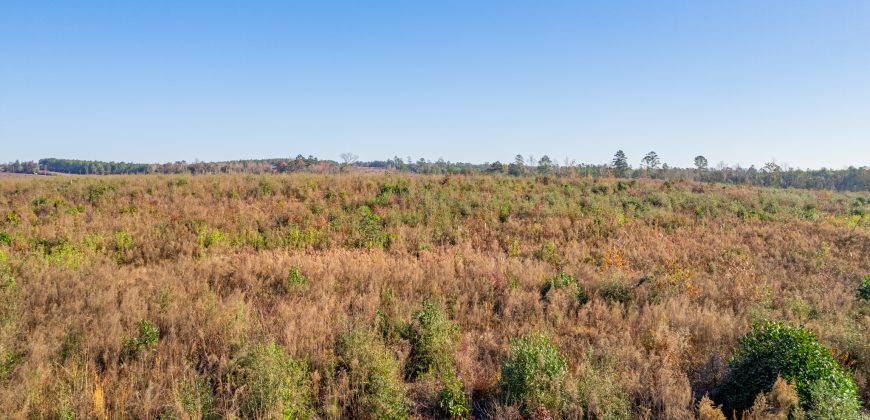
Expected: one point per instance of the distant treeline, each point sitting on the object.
(770, 175)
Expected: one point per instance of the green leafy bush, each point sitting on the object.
(773, 349)
(6, 239)
(7, 277)
(295, 281)
(548, 253)
(374, 373)
(452, 400)
(828, 403)
(433, 339)
(123, 241)
(564, 280)
(864, 289)
(368, 230)
(147, 335)
(197, 400)
(615, 290)
(272, 384)
(534, 375)
(11, 218)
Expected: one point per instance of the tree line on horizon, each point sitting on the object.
(651, 166)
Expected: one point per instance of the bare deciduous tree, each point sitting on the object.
(348, 158)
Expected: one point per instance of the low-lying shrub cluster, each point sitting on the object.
(533, 375)
(271, 384)
(772, 350)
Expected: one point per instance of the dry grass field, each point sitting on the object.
(387, 296)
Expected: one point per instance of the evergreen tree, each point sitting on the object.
(620, 164)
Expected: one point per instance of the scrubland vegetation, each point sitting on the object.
(390, 296)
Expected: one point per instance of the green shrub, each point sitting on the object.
(615, 290)
(376, 386)
(7, 276)
(564, 280)
(368, 230)
(774, 349)
(295, 281)
(12, 218)
(6, 239)
(390, 329)
(534, 375)
(197, 400)
(123, 241)
(272, 384)
(864, 289)
(208, 238)
(96, 192)
(829, 404)
(147, 335)
(452, 400)
(433, 339)
(547, 253)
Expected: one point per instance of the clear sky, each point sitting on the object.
(153, 81)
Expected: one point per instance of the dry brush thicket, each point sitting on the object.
(301, 295)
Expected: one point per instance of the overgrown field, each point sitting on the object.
(378, 296)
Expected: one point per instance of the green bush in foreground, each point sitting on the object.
(864, 289)
(272, 384)
(534, 375)
(376, 385)
(774, 349)
(452, 400)
(433, 339)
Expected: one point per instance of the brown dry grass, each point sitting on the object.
(205, 258)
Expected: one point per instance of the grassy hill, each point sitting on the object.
(386, 296)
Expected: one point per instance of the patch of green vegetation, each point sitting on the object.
(123, 241)
(534, 375)
(12, 218)
(368, 230)
(96, 192)
(374, 374)
(561, 281)
(272, 384)
(5, 239)
(864, 289)
(615, 290)
(433, 339)
(452, 400)
(197, 400)
(207, 238)
(7, 276)
(145, 339)
(8, 361)
(295, 281)
(774, 349)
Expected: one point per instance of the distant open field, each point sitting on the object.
(387, 296)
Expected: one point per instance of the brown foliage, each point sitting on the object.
(208, 260)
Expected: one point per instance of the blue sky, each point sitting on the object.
(737, 81)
